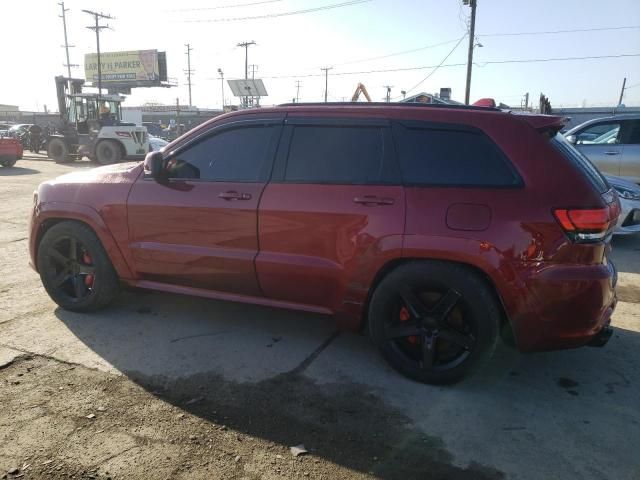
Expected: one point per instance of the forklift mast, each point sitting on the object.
(61, 90)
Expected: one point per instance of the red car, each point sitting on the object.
(10, 151)
(433, 228)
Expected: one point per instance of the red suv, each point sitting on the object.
(433, 228)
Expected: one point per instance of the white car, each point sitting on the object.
(629, 194)
(156, 143)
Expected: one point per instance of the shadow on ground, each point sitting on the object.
(15, 171)
(290, 378)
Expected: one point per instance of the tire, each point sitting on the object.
(58, 151)
(435, 322)
(89, 284)
(8, 162)
(108, 152)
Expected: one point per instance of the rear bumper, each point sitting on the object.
(566, 306)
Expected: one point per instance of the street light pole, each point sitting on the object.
(326, 82)
(222, 85)
(472, 30)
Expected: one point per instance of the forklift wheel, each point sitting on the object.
(58, 151)
(108, 152)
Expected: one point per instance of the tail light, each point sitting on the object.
(587, 225)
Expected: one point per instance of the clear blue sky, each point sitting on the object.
(301, 44)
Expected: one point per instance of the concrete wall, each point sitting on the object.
(580, 115)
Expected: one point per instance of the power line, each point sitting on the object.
(550, 32)
(437, 67)
(632, 86)
(398, 53)
(406, 69)
(282, 14)
(238, 5)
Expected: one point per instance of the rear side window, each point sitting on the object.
(582, 162)
(442, 157)
(337, 155)
(633, 135)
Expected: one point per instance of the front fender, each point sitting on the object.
(60, 211)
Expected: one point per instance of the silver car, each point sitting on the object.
(629, 194)
(611, 143)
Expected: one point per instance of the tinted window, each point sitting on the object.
(343, 155)
(232, 156)
(582, 162)
(599, 134)
(633, 137)
(451, 157)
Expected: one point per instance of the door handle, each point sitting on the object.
(373, 200)
(233, 195)
(612, 152)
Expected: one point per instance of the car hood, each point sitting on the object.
(622, 182)
(108, 184)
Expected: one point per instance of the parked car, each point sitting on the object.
(629, 195)
(10, 151)
(156, 143)
(430, 227)
(611, 143)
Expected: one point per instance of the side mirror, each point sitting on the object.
(154, 164)
(572, 139)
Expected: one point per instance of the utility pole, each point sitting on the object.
(297, 100)
(188, 71)
(404, 94)
(222, 85)
(253, 71)
(472, 31)
(177, 117)
(66, 43)
(526, 101)
(388, 97)
(97, 27)
(246, 46)
(624, 83)
(326, 81)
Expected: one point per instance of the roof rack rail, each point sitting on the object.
(391, 104)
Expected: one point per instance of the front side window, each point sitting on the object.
(599, 134)
(337, 155)
(440, 157)
(238, 155)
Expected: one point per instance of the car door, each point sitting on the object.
(332, 214)
(198, 228)
(630, 161)
(600, 143)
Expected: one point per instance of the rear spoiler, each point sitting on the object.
(546, 124)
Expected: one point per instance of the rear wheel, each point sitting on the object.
(75, 269)
(58, 150)
(433, 321)
(108, 152)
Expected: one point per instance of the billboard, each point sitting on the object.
(131, 68)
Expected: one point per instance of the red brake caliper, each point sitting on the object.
(405, 316)
(88, 279)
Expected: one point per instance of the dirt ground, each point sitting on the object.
(170, 387)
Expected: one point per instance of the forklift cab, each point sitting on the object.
(90, 114)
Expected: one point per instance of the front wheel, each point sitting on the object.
(433, 321)
(8, 162)
(75, 269)
(108, 152)
(58, 150)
